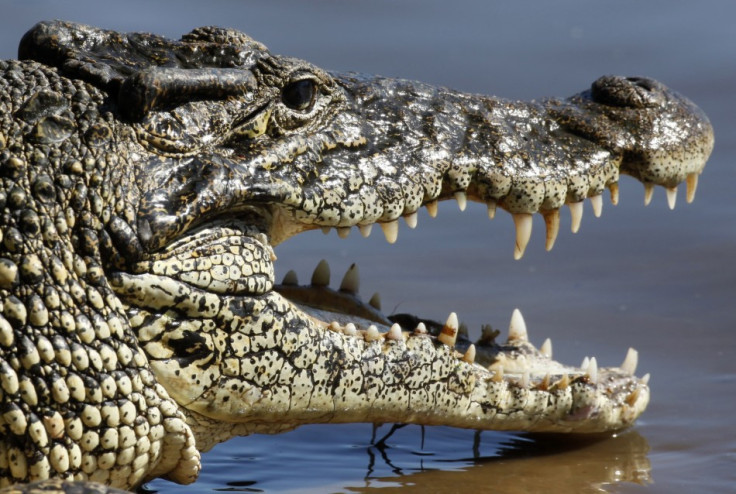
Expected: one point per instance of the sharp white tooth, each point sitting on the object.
(584, 365)
(326, 230)
(420, 329)
(630, 362)
(391, 231)
(375, 301)
(563, 383)
(593, 371)
(462, 200)
(290, 278)
(633, 397)
(523, 222)
(576, 214)
(448, 335)
(692, 186)
(372, 334)
(351, 280)
(350, 329)
(321, 275)
(525, 380)
(517, 327)
(365, 230)
(614, 193)
(546, 348)
(343, 231)
(597, 203)
(334, 326)
(491, 208)
(648, 191)
(671, 196)
(552, 222)
(395, 333)
(498, 374)
(645, 379)
(432, 208)
(469, 356)
(411, 220)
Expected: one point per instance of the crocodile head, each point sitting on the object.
(217, 150)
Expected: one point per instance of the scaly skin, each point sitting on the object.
(144, 183)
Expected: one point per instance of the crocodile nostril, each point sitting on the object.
(642, 82)
(631, 92)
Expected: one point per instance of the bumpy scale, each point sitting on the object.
(144, 182)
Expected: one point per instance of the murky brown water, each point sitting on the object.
(661, 281)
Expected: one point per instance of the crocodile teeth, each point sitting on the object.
(525, 380)
(350, 329)
(592, 371)
(395, 333)
(375, 301)
(462, 200)
(671, 196)
(372, 334)
(391, 231)
(365, 230)
(614, 193)
(290, 278)
(431, 208)
(491, 208)
(552, 222)
(546, 348)
(523, 222)
(692, 186)
(630, 362)
(420, 329)
(351, 280)
(576, 214)
(645, 379)
(411, 220)
(584, 365)
(544, 384)
(448, 335)
(563, 383)
(633, 396)
(321, 275)
(498, 374)
(597, 202)
(343, 231)
(469, 356)
(648, 192)
(326, 230)
(517, 327)
(334, 326)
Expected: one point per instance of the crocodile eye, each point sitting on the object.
(298, 95)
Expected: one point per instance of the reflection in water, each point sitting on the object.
(332, 458)
(528, 463)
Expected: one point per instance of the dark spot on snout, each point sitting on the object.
(190, 348)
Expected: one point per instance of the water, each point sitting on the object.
(661, 281)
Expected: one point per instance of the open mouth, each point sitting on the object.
(192, 306)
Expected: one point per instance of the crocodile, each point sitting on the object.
(145, 182)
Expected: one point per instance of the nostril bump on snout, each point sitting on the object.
(632, 92)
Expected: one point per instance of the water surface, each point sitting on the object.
(661, 281)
